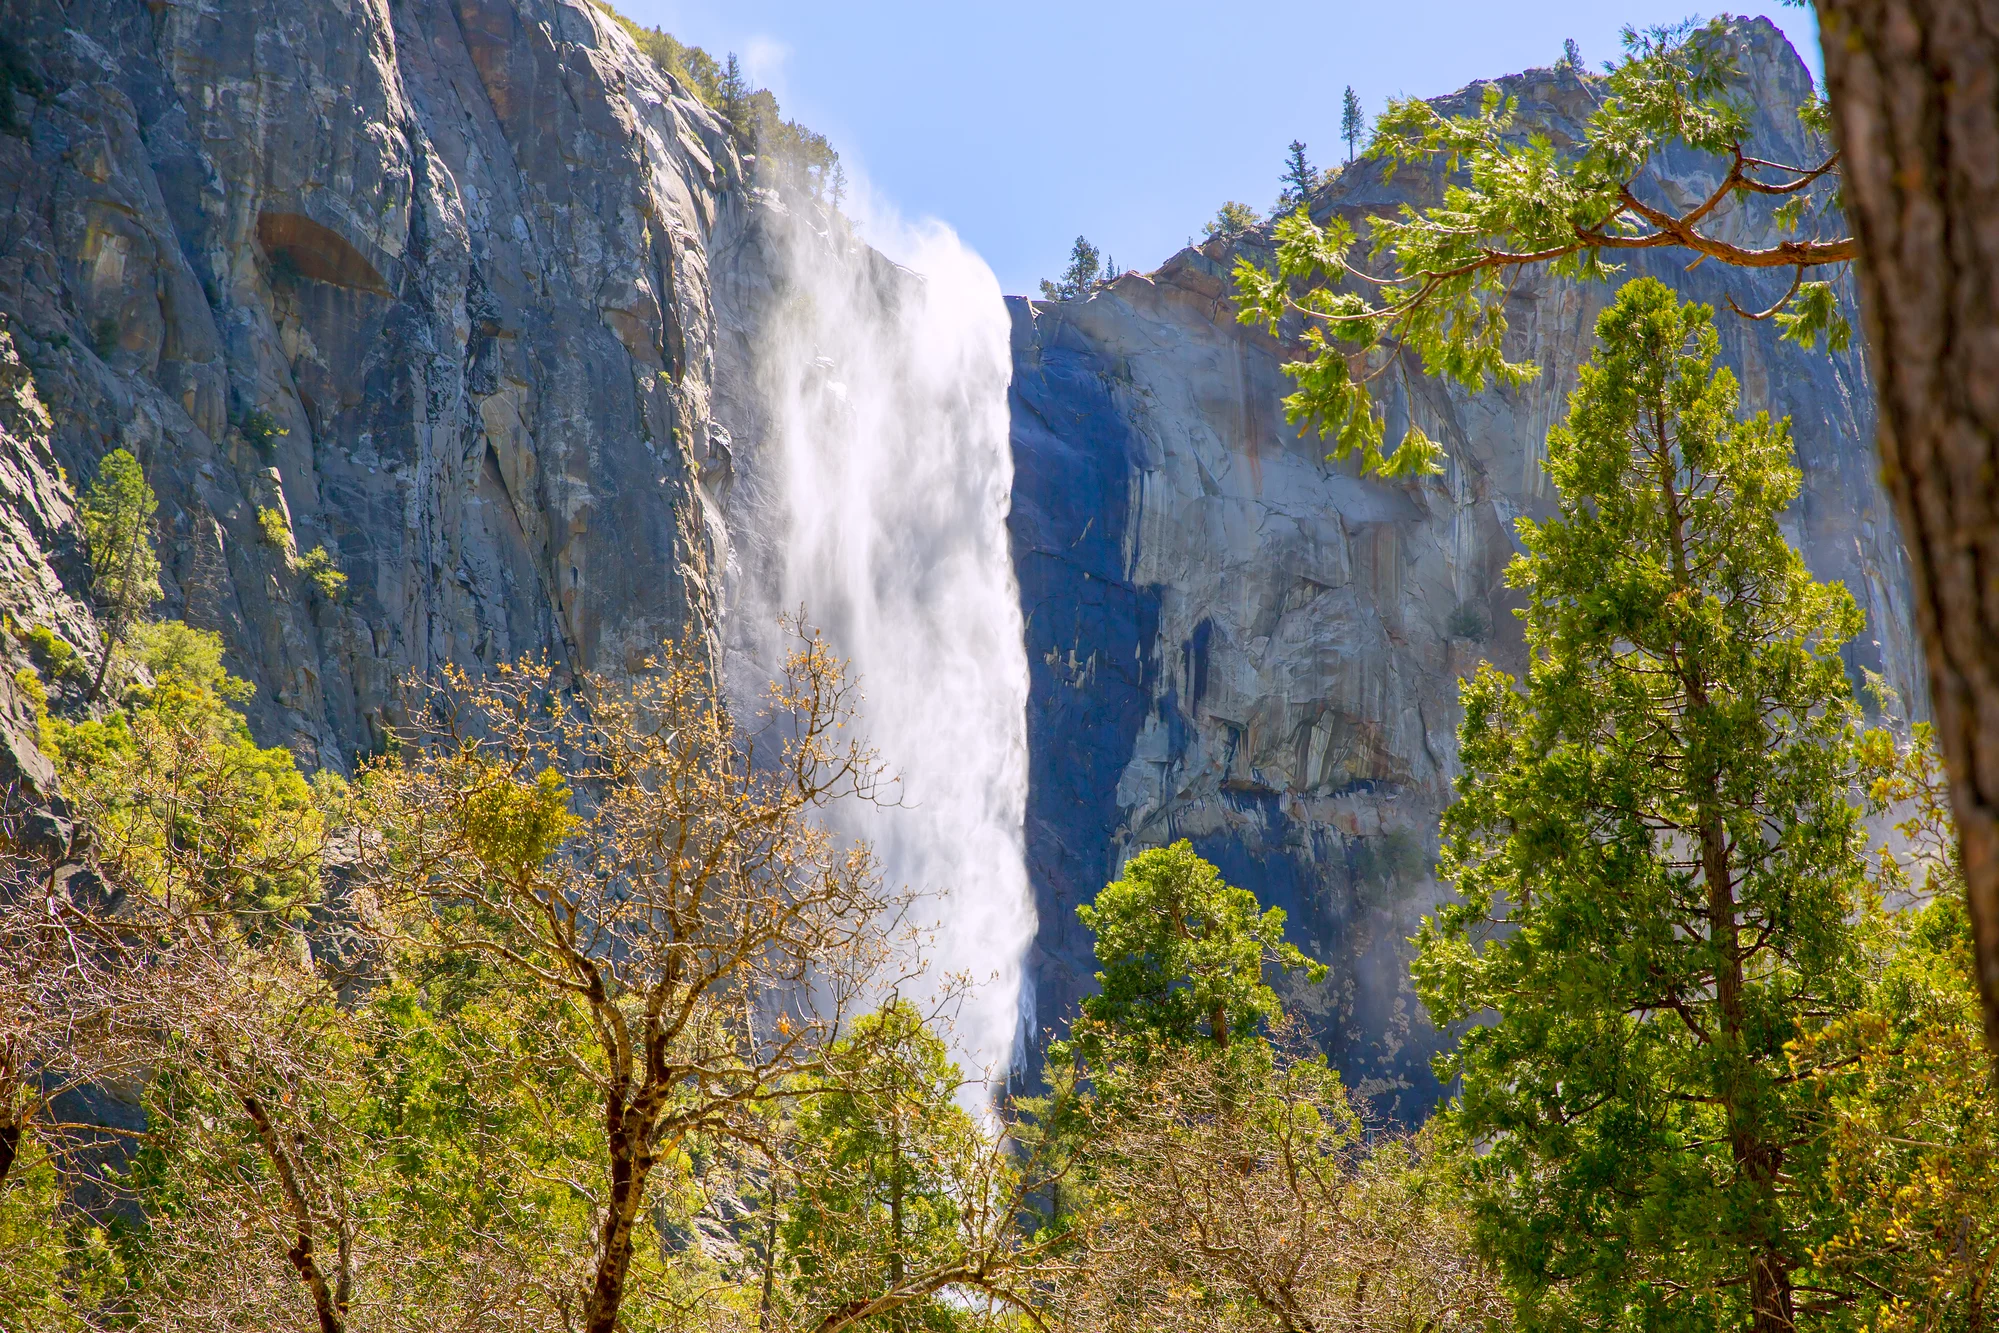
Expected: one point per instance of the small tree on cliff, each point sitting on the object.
(124, 571)
(1658, 857)
(736, 105)
(1086, 267)
(1231, 220)
(1300, 179)
(1353, 121)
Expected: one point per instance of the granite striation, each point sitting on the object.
(426, 278)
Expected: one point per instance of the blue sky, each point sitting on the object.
(1022, 124)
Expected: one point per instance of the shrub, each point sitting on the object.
(53, 653)
(261, 428)
(317, 566)
(271, 523)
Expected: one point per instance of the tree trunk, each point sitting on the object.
(329, 1302)
(899, 1320)
(103, 668)
(631, 1163)
(1914, 90)
(10, 1146)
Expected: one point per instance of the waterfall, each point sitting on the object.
(873, 493)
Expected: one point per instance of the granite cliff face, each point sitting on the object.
(428, 279)
(473, 296)
(1236, 642)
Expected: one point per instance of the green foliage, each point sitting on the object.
(880, 1162)
(175, 651)
(1231, 221)
(1912, 1166)
(693, 67)
(1085, 271)
(735, 90)
(1353, 121)
(118, 532)
(318, 568)
(249, 843)
(1513, 200)
(1660, 863)
(315, 566)
(1299, 180)
(273, 528)
(259, 427)
(1183, 956)
(53, 654)
(789, 154)
(54, 1264)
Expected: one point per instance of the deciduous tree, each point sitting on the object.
(1910, 1239)
(652, 870)
(1249, 1194)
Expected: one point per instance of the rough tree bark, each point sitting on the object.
(1914, 89)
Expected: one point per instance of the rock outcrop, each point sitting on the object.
(427, 279)
(1237, 642)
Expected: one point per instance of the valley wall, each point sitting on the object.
(471, 294)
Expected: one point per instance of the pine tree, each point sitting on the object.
(1300, 179)
(1231, 220)
(738, 104)
(1183, 955)
(1658, 857)
(124, 571)
(879, 1168)
(1572, 56)
(1353, 121)
(1084, 271)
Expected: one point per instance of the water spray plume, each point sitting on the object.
(881, 471)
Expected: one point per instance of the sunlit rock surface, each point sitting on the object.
(1235, 641)
(429, 278)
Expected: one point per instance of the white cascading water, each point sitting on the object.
(884, 466)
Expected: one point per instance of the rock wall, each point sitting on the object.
(1235, 641)
(428, 278)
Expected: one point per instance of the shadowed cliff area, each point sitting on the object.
(1237, 642)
